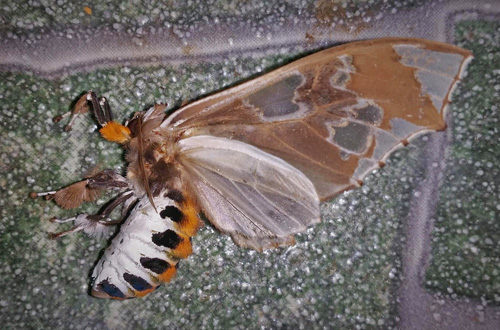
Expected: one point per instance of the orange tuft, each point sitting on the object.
(87, 10)
(184, 249)
(191, 222)
(167, 275)
(115, 132)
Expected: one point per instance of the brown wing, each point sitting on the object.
(335, 115)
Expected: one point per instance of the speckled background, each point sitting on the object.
(418, 246)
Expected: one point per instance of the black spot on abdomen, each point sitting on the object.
(138, 283)
(172, 212)
(110, 289)
(155, 265)
(168, 238)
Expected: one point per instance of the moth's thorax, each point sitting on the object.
(158, 155)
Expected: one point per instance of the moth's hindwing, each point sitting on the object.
(337, 114)
(145, 252)
(257, 198)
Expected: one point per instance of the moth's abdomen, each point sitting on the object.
(148, 247)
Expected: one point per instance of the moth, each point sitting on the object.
(257, 159)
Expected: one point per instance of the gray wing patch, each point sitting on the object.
(447, 64)
(436, 71)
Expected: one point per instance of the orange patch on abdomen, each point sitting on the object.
(144, 292)
(168, 274)
(183, 249)
(190, 223)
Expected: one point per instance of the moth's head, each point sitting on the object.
(110, 129)
(113, 131)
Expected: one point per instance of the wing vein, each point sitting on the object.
(228, 201)
(252, 203)
(307, 157)
(273, 188)
(270, 203)
(290, 216)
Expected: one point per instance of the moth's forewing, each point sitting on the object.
(335, 115)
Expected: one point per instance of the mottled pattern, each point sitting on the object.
(350, 102)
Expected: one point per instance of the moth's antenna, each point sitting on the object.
(98, 111)
(106, 109)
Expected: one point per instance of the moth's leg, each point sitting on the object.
(110, 129)
(97, 224)
(81, 107)
(100, 108)
(64, 233)
(125, 199)
(86, 190)
(107, 179)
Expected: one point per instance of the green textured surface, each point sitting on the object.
(27, 16)
(342, 273)
(466, 237)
